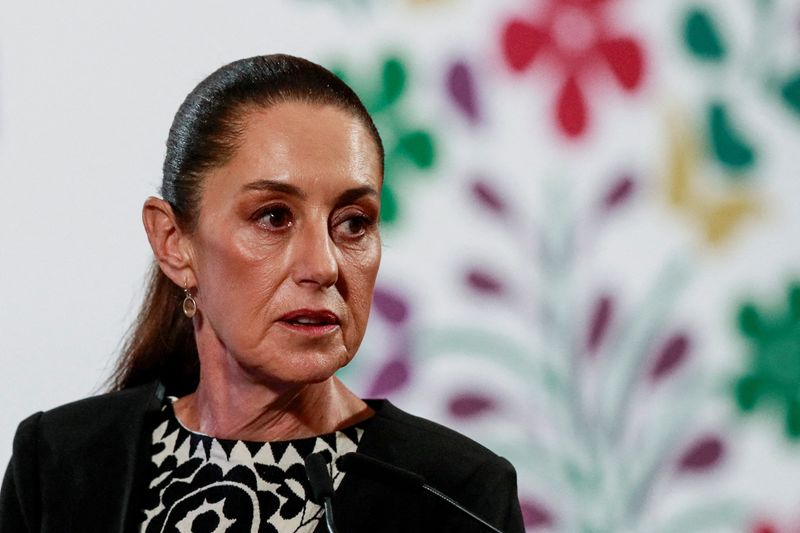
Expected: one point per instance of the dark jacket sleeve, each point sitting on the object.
(10, 510)
(19, 493)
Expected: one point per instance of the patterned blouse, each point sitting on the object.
(203, 484)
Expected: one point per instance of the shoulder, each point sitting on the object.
(410, 429)
(82, 455)
(436, 452)
(453, 463)
(75, 423)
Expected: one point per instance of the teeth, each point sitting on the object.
(306, 320)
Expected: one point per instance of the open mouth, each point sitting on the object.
(313, 321)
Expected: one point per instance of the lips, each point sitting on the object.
(311, 323)
(310, 318)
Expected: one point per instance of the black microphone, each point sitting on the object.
(366, 466)
(321, 486)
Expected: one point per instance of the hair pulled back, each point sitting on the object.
(205, 134)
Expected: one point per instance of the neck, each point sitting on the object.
(230, 403)
(260, 413)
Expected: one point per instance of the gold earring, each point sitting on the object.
(189, 305)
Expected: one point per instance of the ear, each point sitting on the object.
(171, 247)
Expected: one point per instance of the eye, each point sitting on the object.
(355, 226)
(275, 217)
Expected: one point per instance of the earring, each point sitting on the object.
(189, 305)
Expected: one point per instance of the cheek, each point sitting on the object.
(237, 274)
(360, 271)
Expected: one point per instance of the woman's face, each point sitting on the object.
(287, 245)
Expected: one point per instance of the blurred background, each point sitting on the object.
(591, 220)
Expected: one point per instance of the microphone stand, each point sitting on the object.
(321, 486)
(328, 506)
(460, 507)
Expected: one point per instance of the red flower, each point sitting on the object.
(576, 36)
(764, 527)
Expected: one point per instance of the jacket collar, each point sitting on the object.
(125, 488)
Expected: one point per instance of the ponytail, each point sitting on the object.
(160, 343)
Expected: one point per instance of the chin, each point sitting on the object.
(307, 367)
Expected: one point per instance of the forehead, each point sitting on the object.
(302, 140)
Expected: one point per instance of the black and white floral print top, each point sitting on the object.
(203, 484)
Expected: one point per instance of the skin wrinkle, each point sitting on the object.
(260, 380)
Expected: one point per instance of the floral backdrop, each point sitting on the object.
(618, 167)
(591, 262)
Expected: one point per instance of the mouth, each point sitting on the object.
(312, 322)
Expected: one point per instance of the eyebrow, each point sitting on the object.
(275, 186)
(348, 196)
(351, 195)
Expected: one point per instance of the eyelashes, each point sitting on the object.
(275, 217)
(349, 225)
(357, 225)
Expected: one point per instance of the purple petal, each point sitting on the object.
(391, 306)
(461, 88)
(488, 197)
(470, 405)
(703, 455)
(534, 514)
(672, 355)
(393, 376)
(619, 193)
(484, 282)
(601, 318)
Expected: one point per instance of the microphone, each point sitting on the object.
(367, 466)
(321, 486)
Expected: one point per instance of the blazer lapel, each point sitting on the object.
(137, 453)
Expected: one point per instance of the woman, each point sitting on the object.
(267, 247)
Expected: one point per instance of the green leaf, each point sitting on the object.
(793, 296)
(748, 390)
(707, 515)
(574, 474)
(393, 83)
(418, 147)
(702, 37)
(388, 205)
(765, 5)
(790, 91)
(750, 322)
(729, 145)
(793, 419)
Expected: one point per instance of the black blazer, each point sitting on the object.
(82, 467)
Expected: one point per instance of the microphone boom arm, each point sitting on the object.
(366, 465)
(460, 507)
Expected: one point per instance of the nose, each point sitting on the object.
(315, 259)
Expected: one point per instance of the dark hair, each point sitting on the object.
(205, 134)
